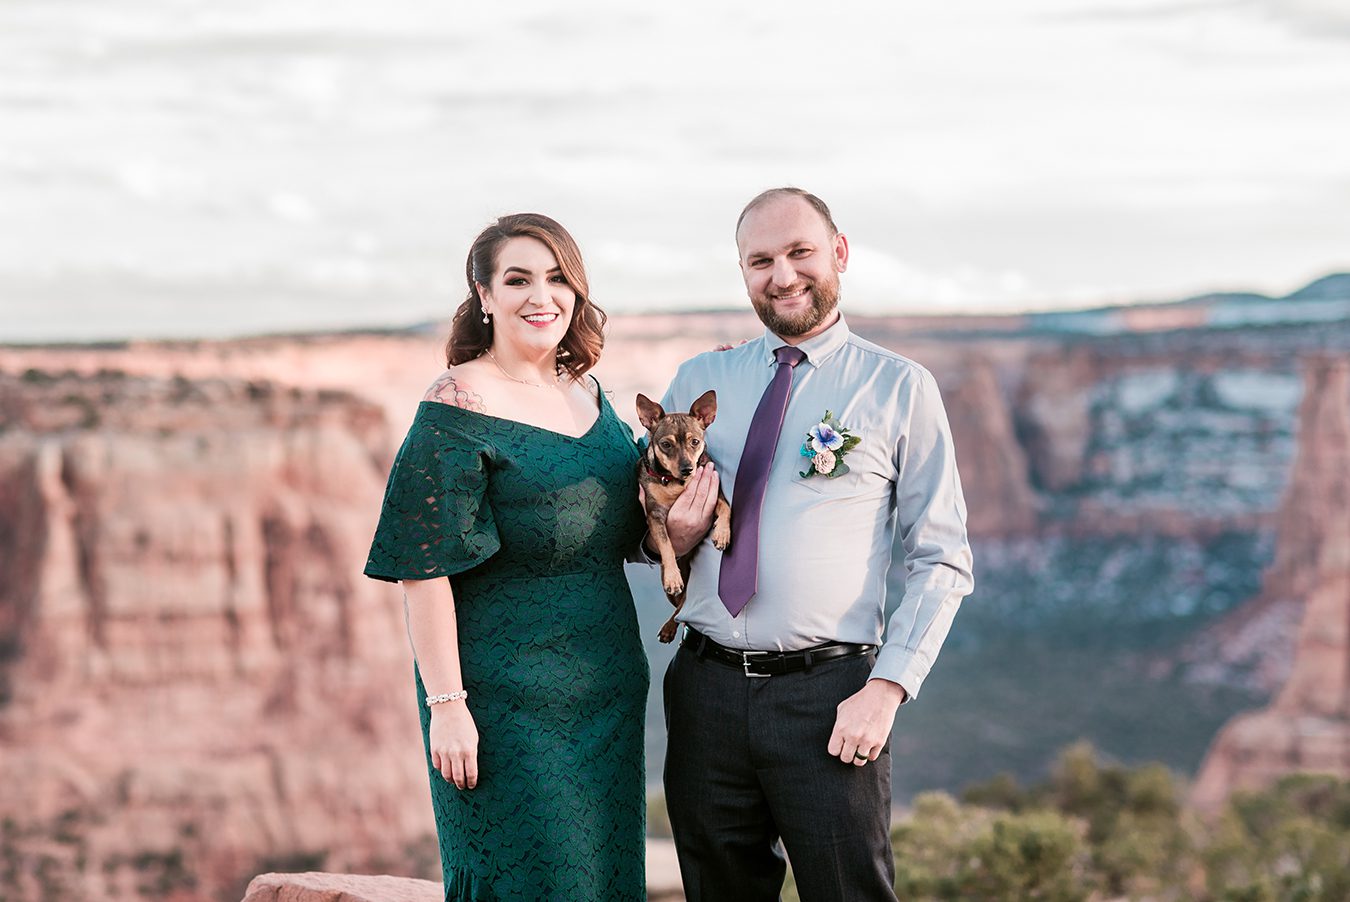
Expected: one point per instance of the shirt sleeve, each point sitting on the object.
(931, 557)
(435, 520)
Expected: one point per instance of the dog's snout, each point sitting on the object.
(685, 469)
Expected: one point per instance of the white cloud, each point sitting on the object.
(879, 282)
(1333, 12)
(291, 206)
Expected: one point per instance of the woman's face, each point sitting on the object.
(529, 300)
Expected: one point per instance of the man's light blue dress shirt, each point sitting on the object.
(829, 548)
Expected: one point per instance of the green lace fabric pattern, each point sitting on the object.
(531, 526)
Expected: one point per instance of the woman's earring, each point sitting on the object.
(486, 321)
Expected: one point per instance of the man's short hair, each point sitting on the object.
(788, 191)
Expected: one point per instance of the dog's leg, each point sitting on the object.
(671, 580)
(669, 628)
(721, 531)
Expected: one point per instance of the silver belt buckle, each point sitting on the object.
(746, 662)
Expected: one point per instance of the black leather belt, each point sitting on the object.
(770, 663)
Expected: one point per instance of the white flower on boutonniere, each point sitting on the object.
(826, 444)
(824, 438)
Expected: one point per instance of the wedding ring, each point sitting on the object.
(859, 756)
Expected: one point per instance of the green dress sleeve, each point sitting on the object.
(435, 520)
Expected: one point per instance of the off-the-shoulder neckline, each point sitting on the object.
(599, 415)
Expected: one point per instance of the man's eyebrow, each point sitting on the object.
(790, 247)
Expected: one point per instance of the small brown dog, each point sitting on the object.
(675, 446)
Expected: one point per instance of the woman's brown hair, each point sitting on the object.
(470, 336)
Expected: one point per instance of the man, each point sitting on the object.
(781, 698)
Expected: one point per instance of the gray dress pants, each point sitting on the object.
(746, 765)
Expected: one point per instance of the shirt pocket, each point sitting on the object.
(868, 473)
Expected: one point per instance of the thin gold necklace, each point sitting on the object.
(517, 378)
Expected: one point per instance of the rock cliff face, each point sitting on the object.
(993, 464)
(196, 679)
(196, 682)
(1307, 727)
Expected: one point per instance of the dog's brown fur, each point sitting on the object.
(675, 447)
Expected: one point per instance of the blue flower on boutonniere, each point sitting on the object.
(826, 444)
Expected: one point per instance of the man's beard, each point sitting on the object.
(824, 298)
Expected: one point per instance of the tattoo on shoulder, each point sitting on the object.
(447, 390)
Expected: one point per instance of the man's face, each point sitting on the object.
(791, 266)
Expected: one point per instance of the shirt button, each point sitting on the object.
(735, 634)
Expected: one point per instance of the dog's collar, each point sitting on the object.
(666, 478)
(663, 478)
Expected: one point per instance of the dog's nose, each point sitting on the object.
(685, 470)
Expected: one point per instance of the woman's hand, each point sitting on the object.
(454, 743)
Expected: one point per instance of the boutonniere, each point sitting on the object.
(826, 444)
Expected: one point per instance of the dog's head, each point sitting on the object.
(675, 443)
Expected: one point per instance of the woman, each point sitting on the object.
(517, 482)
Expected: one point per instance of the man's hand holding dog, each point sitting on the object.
(863, 722)
(691, 514)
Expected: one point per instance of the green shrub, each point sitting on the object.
(1097, 832)
(1037, 855)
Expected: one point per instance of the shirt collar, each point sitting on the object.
(817, 349)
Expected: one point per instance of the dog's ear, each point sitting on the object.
(705, 408)
(648, 411)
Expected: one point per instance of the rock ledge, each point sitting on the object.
(319, 887)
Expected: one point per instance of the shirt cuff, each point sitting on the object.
(642, 555)
(903, 666)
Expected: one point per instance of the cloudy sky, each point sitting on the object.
(183, 167)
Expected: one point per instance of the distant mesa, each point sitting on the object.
(1328, 288)
(1325, 300)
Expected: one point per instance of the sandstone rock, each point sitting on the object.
(1307, 726)
(318, 887)
(194, 676)
(663, 871)
(663, 883)
(1053, 413)
(994, 469)
(1254, 643)
(196, 685)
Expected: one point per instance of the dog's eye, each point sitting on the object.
(693, 442)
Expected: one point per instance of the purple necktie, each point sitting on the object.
(740, 565)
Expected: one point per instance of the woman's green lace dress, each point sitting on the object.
(532, 527)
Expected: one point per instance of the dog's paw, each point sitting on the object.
(673, 585)
(721, 536)
(667, 634)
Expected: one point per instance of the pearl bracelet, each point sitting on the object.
(447, 697)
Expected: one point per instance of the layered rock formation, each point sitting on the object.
(196, 683)
(1307, 727)
(993, 465)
